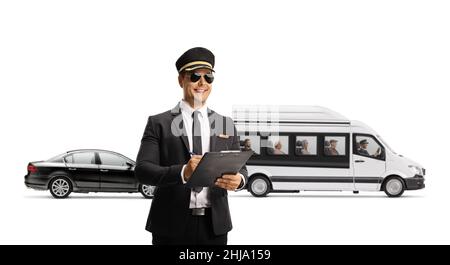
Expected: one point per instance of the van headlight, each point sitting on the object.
(415, 170)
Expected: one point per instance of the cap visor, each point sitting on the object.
(194, 67)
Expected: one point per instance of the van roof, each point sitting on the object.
(287, 114)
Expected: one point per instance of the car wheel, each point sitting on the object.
(394, 187)
(147, 190)
(259, 186)
(60, 187)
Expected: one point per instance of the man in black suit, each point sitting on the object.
(171, 148)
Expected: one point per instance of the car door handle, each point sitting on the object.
(359, 161)
(104, 170)
(72, 168)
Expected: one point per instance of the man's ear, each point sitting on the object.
(180, 80)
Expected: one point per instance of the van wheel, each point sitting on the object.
(60, 187)
(147, 191)
(259, 186)
(394, 187)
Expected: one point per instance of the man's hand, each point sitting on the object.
(191, 166)
(229, 182)
(377, 153)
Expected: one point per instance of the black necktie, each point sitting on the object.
(196, 139)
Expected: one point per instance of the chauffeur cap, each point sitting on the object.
(195, 58)
(364, 141)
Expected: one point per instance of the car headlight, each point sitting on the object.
(415, 170)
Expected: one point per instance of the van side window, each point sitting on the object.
(305, 145)
(250, 143)
(366, 145)
(334, 146)
(276, 145)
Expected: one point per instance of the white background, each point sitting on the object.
(86, 74)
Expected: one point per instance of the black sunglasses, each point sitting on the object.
(196, 76)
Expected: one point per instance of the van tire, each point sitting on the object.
(394, 186)
(259, 186)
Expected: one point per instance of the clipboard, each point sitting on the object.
(214, 164)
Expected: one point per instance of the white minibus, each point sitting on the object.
(312, 148)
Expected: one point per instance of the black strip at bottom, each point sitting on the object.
(231, 254)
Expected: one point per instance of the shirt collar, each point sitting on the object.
(185, 107)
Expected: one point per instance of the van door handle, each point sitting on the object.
(104, 170)
(72, 168)
(359, 161)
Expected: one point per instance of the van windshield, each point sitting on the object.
(385, 144)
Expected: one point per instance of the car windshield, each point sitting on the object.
(385, 144)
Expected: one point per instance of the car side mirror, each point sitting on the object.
(130, 165)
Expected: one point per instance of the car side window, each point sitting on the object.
(83, 158)
(112, 159)
(366, 145)
(69, 159)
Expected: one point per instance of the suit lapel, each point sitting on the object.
(179, 128)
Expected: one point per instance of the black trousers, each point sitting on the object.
(199, 231)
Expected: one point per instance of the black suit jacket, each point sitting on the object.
(163, 152)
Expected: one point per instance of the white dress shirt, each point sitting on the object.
(198, 199)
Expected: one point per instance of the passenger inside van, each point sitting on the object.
(277, 150)
(247, 145)
(331, 149)
(305, 150)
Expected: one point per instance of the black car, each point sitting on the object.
(85, 170)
